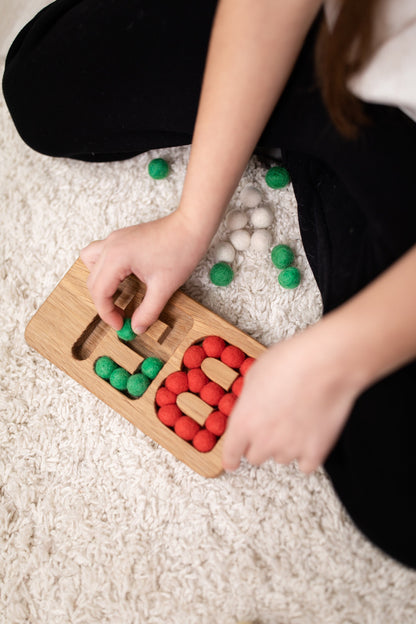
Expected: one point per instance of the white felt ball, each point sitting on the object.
(260, 240)
(240, 239)
(250, 196)
(236, 220)
(224, 252)
(261, 217)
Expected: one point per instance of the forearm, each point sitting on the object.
(253, 48)
(374, 333)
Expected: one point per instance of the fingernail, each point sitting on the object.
(139, 330)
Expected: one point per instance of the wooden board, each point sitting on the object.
(68, 332)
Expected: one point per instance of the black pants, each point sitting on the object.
(107, 79)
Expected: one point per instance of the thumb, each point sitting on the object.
(150, 308)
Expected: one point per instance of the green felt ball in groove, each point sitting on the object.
(221, 274)
(289, 278)
(151, 366)
(104, 366)
(119, 378)
(126, 333)
(277, 177)
(158, 168)
(282, 256)
(137, 384)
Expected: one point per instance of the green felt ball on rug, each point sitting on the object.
(104, 366)
(119, 378)
(151, 367)
(289, 278)
(158, 168)
(126, 332)
(137, 384)
(221, 274)
(282, 256)
(277, 177)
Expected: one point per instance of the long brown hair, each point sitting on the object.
(340, 53)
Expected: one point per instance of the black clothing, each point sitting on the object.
(106, 80)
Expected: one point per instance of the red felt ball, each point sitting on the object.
(204, 441)
(233, 356)
(211, 393)
(177, 382)
(216, 423)
(169, 414)
(196, 380)
(226, 403)
(186, 427)
(213, 346)
(194, 356)
(246, 365)
(165, 397)
(237, 386)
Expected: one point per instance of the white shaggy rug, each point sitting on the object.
(98, 524)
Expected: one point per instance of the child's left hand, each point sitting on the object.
(295, 401)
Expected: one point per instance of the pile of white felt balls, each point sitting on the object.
(238, 221)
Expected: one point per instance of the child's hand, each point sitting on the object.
(161, 253)
(295, 401)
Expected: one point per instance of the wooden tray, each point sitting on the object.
(68, 332)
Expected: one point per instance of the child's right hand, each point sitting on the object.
(161, 253)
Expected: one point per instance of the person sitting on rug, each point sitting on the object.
(335, 89)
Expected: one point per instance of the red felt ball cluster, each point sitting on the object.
(192, 379)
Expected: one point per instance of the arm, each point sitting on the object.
(319, 373)
(252, 50)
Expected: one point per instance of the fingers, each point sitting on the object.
(150, 308)
(102, 283)
(90, 254)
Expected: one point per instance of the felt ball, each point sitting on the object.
(221, 274)
(204, 441)
(151, 366)
(289, 278)
(169, 414)
(250, 196)
(177, 382)
(126, 333)
(277, 177)
(119, 378)
(233, 356)
(240, 239)
(216, 423)
(194, 356)
(237, 386)
(236, 219)
(260, 240)
(226, 403)
(186, 427)
(137, 384)
(196, 380)
(282, 256)
(104, 366)
(158, 168)
(165, 397)
(212, 393)
(246, 365)
(261, 217)
(224, 252)
(213, 346)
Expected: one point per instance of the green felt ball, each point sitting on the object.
(137, 384)
(104, 366)
(289, 278)
(277, 177)
(221, 274)
(158, 168)
(151, 367)
(126, 332)
(282, 256)
(119, 378)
